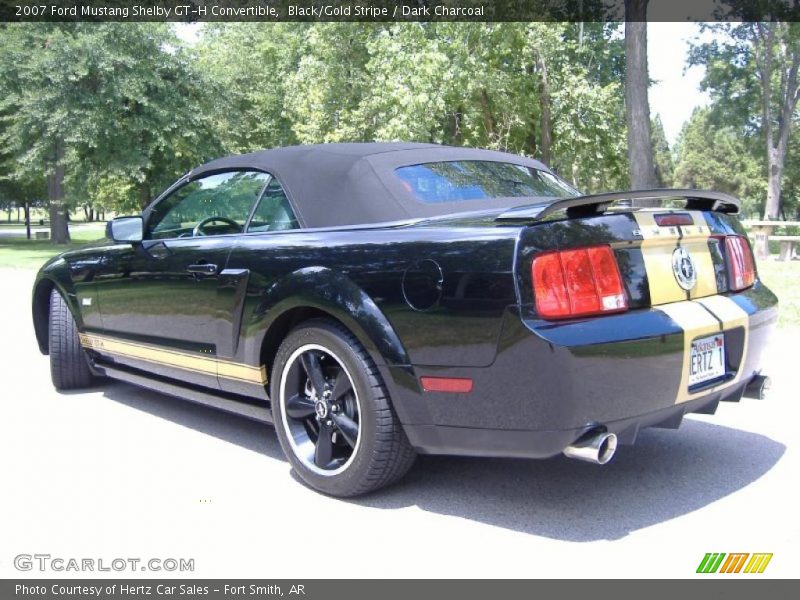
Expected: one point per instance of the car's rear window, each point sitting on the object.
(452, 181)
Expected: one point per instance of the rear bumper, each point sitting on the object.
(552, 382)
(467, 441)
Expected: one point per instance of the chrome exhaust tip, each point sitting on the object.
(758, 388)
(598, 448)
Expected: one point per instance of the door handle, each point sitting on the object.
(202, 269)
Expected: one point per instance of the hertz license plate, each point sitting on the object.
(707, 359)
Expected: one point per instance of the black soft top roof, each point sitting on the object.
(354, 183)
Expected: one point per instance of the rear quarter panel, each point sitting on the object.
(360, 275)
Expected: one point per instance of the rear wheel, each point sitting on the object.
(69, 366)
(333, 415)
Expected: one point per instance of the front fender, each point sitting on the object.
(334, 293)
(54, 274)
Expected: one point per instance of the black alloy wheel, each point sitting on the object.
(332, 413)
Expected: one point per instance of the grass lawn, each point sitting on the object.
(20, 253)
(783, 278)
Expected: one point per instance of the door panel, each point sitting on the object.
(149, 295)
(162, 301)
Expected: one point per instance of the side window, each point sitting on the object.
(273, 212)
(212, 205)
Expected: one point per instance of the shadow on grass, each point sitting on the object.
(667, 474)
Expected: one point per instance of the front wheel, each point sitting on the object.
(332, 413)
(69, 366)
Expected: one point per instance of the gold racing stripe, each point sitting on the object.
(695, 240)
(658, 244)
(697, 322)
(174, 358)
(732, 315)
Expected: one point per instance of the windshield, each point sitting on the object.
(453, 181)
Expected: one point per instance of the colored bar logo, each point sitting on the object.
(719, 562)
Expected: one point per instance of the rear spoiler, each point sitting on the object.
(585, 206)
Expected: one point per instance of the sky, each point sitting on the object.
(676, 90)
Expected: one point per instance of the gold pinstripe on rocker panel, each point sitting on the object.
(174, 358)
(691, 315)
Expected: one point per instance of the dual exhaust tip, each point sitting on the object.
(597, 448)
(758, 388)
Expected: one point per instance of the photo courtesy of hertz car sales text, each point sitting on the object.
(380, 300)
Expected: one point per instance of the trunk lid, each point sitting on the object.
(658, 264)
(678, 258)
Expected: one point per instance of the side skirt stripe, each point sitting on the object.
(181, 360)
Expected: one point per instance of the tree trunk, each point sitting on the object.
(458, 136)
(775, 162)
(637, 107)
(545, 124)
(765, 37)
(59, 230)
(144, 195)
(27, 220)
(488, 119)
(453, 133)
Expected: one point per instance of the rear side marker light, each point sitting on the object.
(673, 219)
(741, 266)
(574, 283)
(456, 385)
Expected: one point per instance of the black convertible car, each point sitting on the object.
(375, 301)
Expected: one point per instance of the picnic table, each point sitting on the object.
(763, 233)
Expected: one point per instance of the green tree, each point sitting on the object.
(752, 74)
(113, 112)
(717, 157)
(662, 155)
(547, 90)
(248, 68)
(84, 99)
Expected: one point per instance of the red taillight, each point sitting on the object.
(574, 283)
(549, 286)
(741, 267)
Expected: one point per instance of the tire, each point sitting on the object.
(368, 448)
(69, 366)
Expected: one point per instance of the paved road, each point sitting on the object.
(118, 472)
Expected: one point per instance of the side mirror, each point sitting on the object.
(125, 229)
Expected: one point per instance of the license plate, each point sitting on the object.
(707, 359)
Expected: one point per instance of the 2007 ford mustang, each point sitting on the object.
(375, 301)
